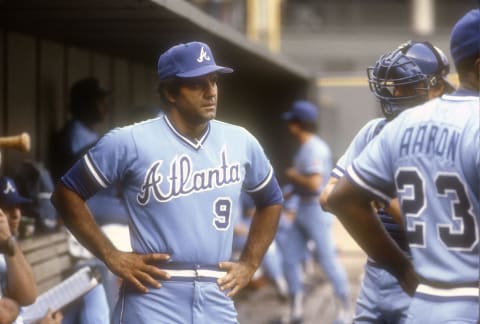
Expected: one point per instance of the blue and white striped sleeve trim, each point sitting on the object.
(354, 177)
(99, 178)
(337, 172)
(84, 178)
(268, 192)
(262, 184)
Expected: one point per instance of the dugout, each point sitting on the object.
(46, 45)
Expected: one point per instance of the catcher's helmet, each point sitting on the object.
(416, 65)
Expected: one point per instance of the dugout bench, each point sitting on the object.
(48, 254)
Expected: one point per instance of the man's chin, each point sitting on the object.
(211, 115)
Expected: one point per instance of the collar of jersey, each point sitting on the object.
(195, 144)
(462, 92)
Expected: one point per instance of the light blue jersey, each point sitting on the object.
(313, 157)
(429, 158)
(381, 298)
(181, 195)
(172, 197)
(359, 142)
(80, 137)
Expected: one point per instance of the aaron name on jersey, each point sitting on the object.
(430, 140)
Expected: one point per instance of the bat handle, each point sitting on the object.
(19, 142)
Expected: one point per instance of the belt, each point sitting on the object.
(200, 273)
(188, 272)
(466, 292)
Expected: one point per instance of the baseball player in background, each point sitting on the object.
(271, 266)
(89, 107)
(428, 157)
(308, 175)
(181, 176)
(416, 71)
(17, 282)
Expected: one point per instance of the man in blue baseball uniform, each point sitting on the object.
(308, 175)
(181, 176)
(428, 157)
(89, 107)
(417, 72)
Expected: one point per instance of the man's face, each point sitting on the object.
(293, 127)
(103, 108)
(13, 215)
(196, 102)
(409, 90)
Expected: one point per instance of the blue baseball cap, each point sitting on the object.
(465, 36)
(302, 110)
(189, 60)
(9, 195)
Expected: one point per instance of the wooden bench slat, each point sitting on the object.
(48, 253)
(49, 256)
(41, 241)
(52, 267)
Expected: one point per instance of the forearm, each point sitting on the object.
(326, 192)
(262, 232)
(370, 234)
(355, 212)
(79, 220)
(21, 285)
(306, 182)
(9, 310)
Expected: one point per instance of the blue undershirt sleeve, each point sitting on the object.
(270, 194)
(80, 181)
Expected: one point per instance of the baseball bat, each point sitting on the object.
(19, 142)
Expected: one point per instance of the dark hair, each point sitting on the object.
(171, 86)
(465, 66)
(84, 95)
(309, 126)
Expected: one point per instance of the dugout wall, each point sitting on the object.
(46, 45)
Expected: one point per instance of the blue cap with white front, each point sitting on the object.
(189, 60)
(302, 110)
(9, 195)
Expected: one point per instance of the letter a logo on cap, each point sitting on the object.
(203, 56)
(8, 188)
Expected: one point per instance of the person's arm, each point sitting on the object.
(310, 182)
(262, 231)
(393, 209)
(9, 310)
(20, 284)
(135, 268)
(326, 192)
(52, 318)
(353, 208)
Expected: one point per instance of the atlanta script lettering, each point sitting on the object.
(183, 181)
